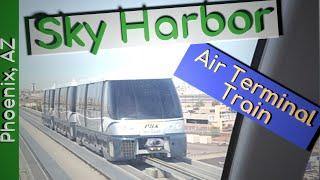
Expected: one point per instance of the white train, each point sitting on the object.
(119, 119)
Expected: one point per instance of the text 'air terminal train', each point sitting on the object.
(119, 119)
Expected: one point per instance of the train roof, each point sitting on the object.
(87, 81)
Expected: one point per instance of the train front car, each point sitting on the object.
(142, 117)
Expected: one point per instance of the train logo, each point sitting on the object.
(151, 126)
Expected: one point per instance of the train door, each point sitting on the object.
(81, 105)
(93, 114)
(71, 109)
(63, 104)
(93, 110)
(56, 104)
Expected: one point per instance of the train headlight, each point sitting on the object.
(176, 126)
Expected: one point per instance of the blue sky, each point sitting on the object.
(154, 61)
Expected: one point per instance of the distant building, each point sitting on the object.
(224, 118)
(204, 115)
(31, 98)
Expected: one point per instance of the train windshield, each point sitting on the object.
(143, 99)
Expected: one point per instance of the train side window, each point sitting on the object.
(52, 93)
(80, 108)
(44, 96)
(93, 111)
(56, 99)
(48, 100)
(106, 104)
(45, 101)
(71, 99)
(63, 103)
